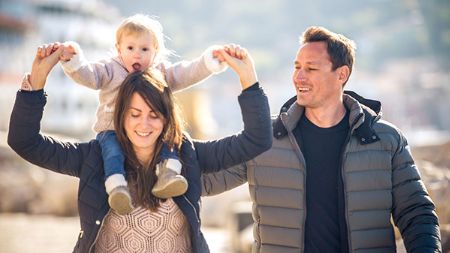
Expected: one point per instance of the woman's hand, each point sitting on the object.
(240, 61)
(46, 58)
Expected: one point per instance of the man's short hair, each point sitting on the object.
(340, 49)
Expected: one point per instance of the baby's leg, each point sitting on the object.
(170, 181)
(113, 163)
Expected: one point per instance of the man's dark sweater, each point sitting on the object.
(325, 228)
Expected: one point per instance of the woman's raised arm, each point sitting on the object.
(24, 127)
(256, 137)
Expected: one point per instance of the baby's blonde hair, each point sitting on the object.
(142, 24)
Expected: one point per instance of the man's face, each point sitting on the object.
(316, 84)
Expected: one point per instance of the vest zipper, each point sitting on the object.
(344, 186)
(195, 211)
(302, 160)
(98, 232)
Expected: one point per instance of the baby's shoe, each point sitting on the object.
(120, 200)
(170, 183)
(119, 196)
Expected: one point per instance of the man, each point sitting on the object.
(336, 172)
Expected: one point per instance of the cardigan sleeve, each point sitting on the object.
(94, 75)
(25, 139)
(184, 74)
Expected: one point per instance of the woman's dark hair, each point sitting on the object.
(151, 87)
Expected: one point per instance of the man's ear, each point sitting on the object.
(118, 48)
(344, 73)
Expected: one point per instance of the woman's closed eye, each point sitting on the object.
(153, 115)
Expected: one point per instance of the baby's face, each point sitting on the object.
(136, 51)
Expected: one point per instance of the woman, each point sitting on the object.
(144, 118)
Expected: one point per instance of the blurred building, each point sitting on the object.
(26, 24)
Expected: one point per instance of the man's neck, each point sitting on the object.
(326, 116)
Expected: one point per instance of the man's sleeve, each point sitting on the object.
(224, 180)
(413, 211)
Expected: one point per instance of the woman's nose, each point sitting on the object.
(147, 121)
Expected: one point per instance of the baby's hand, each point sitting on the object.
(213, 60)
(68, 51)
(216, 53)
(232, 50)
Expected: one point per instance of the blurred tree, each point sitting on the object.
(436, 15)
